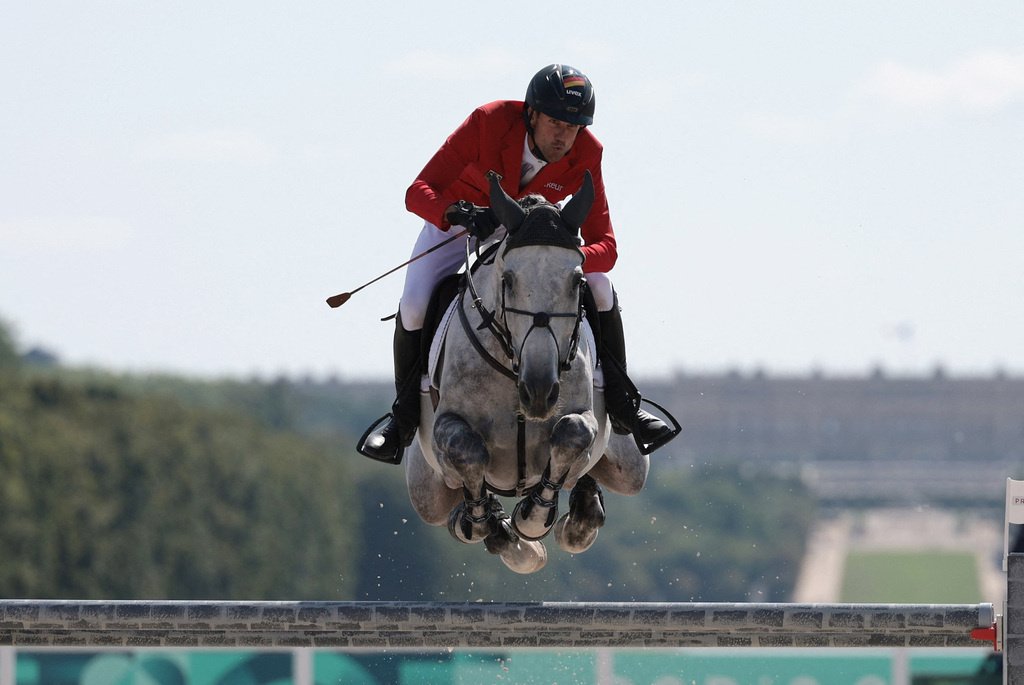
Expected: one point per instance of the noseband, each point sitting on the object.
(543, 320)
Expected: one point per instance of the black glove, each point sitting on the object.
(479, 221)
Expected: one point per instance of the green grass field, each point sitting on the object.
(911, 578)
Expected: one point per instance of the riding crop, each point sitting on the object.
(342, 298)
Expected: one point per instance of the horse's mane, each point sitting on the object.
(530, 201)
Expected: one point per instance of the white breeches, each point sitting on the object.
(423, 275)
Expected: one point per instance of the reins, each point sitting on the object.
(488, 321)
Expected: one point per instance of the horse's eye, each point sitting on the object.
(506, 282)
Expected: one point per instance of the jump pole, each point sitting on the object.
(427, 625)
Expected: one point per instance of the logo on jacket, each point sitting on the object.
(554, 186)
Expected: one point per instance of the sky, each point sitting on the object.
(795, 186)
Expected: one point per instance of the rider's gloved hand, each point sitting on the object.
(479, 221)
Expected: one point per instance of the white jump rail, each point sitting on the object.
(425, 625)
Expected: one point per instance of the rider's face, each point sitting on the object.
(554, 138)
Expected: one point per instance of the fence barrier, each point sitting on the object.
(419, 625)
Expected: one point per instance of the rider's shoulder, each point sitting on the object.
(497, 119)
(501, 108)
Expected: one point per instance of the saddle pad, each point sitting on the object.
(587, 336)
(433, 375)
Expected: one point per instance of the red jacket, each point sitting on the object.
(492, 138)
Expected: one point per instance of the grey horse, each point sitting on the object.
(515, 411)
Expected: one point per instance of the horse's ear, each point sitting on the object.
(575, 212)
(508, 211)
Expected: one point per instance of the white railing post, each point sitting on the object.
(6, 665)
(1011, 631)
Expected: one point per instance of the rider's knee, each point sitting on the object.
(411, 316)
(601, 287)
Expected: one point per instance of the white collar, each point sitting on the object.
(531, 165)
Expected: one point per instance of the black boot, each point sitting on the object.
(387, 439)
(621, 398)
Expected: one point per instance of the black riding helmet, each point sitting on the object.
(564, 93)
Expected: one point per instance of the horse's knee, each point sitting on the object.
(431, 499)
(458, 446)
(433, 502)
(430, 512)
(622, 476)
(574, 433)
(629, 484)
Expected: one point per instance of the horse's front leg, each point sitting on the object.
(462, 455)
(479, 517)
(622, 469)
(571, 439)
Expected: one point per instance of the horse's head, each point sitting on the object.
(540, 274)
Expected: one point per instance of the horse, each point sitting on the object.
(515, 412)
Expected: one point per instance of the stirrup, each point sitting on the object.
(361, 445)
(664, 440)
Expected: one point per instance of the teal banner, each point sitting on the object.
(540, 667)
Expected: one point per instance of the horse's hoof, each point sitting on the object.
(519, 555)
(574, 539)
(577, 530)
(525, 556)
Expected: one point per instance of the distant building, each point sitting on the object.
(900, 439)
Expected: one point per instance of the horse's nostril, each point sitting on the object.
(553, 395)
(524, 394)
(535, 400)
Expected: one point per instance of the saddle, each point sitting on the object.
(440, 302)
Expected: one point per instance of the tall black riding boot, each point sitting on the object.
(387, 439)
(621, 397)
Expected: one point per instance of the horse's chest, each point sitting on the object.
(514, 444)
(510, 439)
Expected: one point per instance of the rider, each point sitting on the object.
(543, 142)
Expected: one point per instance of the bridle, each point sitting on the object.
(497, 324)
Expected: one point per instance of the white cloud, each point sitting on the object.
(984, 81)
(217, 145)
